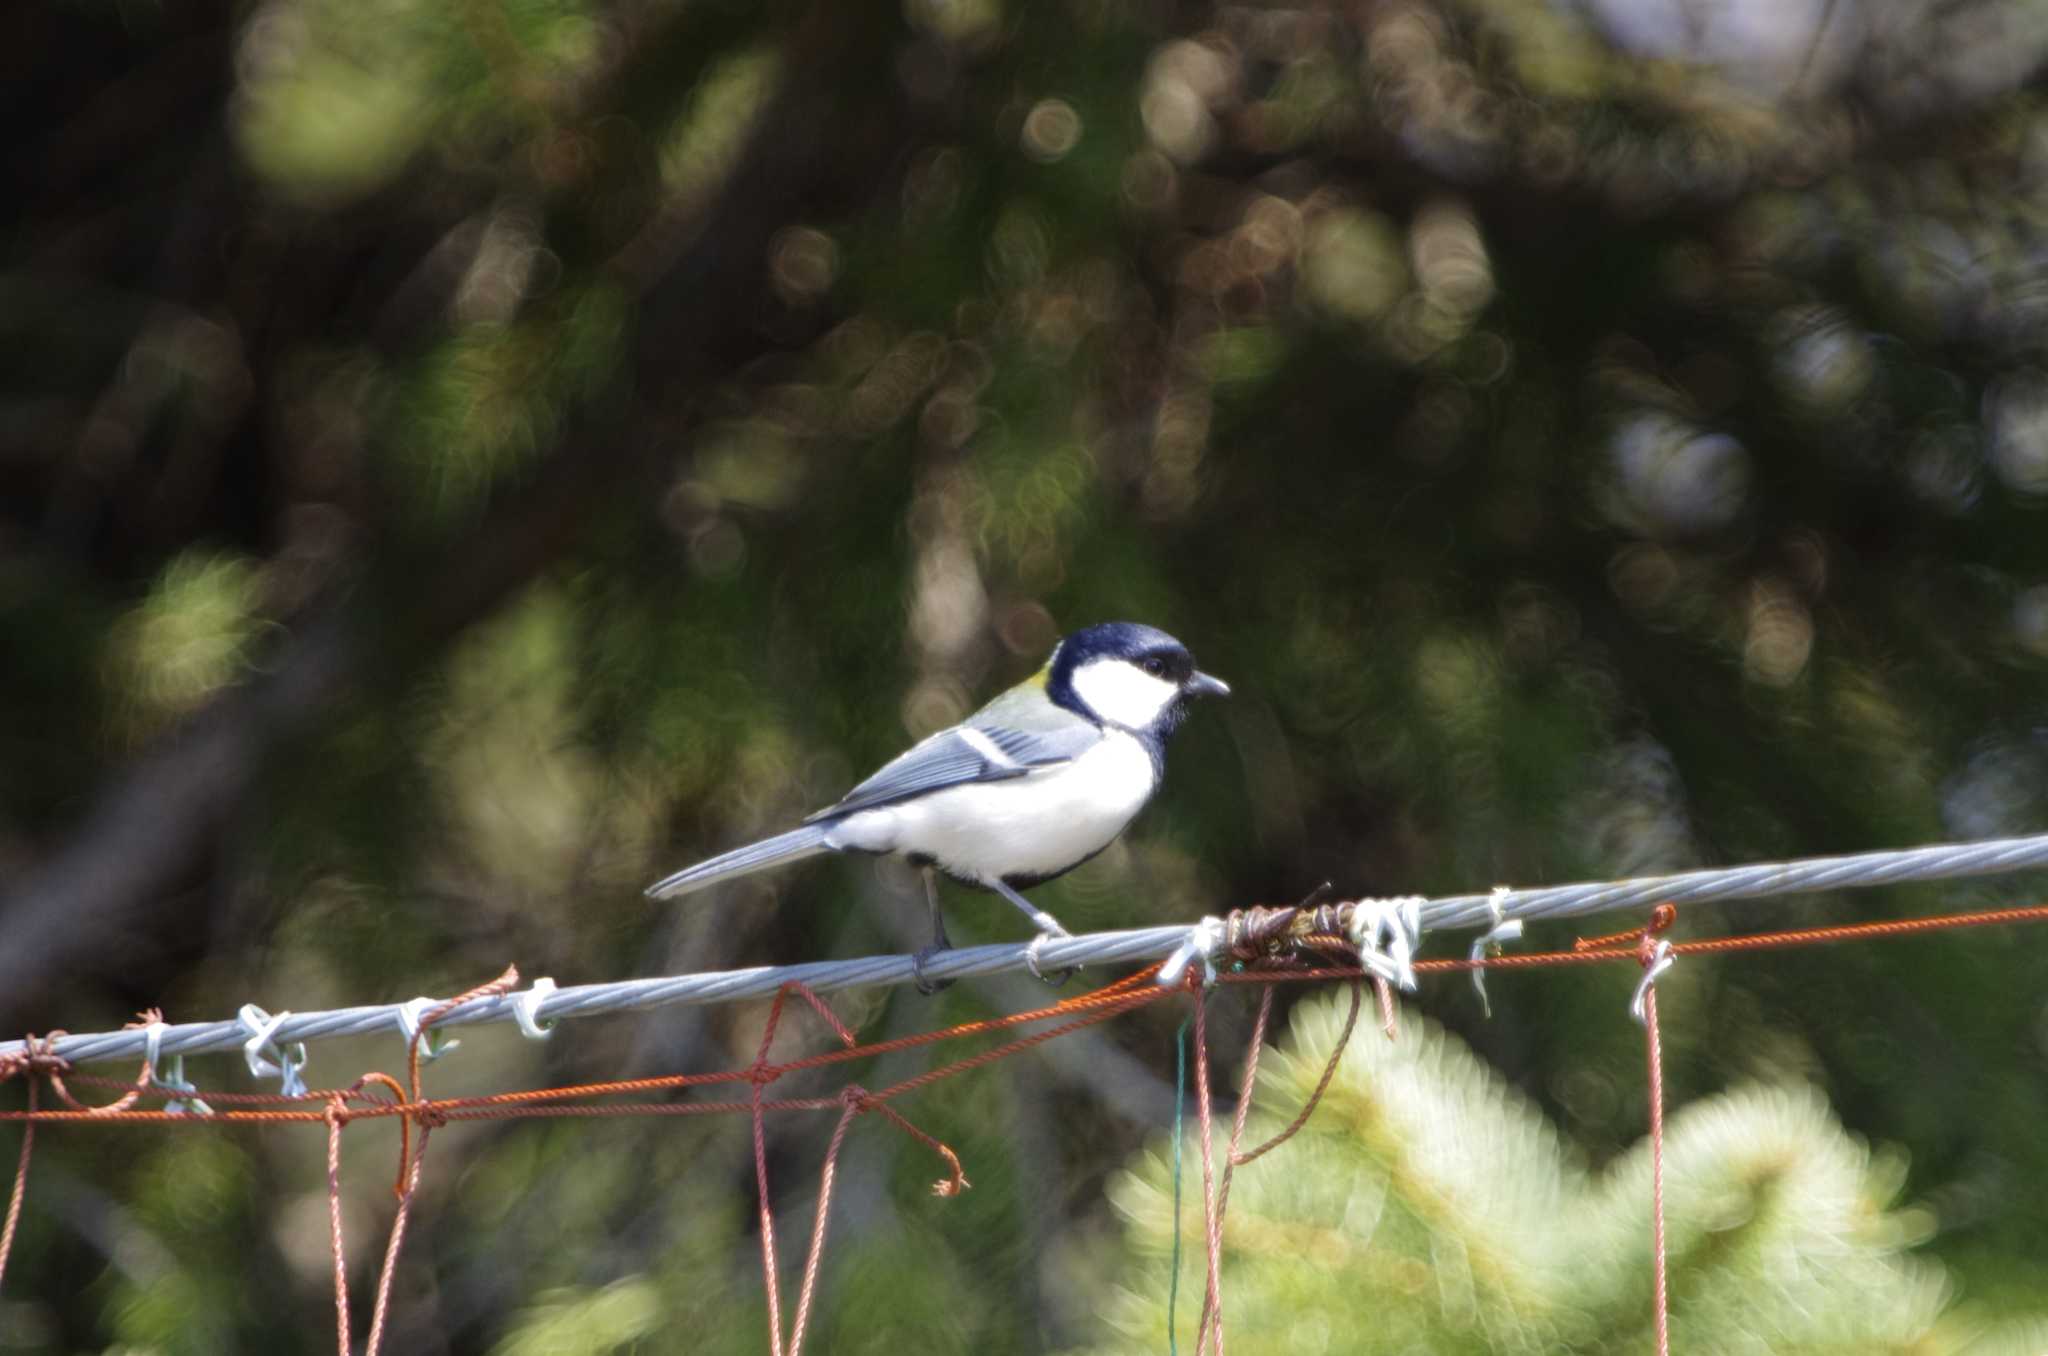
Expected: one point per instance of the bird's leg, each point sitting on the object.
(940, 941)
(1040, 919)
(1047, 925)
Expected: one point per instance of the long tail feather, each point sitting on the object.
(808, 841)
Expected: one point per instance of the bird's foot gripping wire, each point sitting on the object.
(1049, 930)
(1057, 977)
(923, 957)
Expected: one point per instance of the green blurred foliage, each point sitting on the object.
(1429, 1207)
(460, 461)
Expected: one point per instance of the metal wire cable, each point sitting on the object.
(1947, 861)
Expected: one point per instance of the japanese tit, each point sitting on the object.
(1025, 789)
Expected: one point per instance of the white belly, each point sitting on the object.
(1036, 825)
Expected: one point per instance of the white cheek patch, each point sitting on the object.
(1122, 693)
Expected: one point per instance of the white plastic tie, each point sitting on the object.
(184, 1100)
(1503, 931)
(1661, 960)
(1386, 933)
(410, 1015)
(1203, 943)
(526, 1010)
(262, 1045)
(153, 1044)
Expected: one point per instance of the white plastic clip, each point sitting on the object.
(184, 1100)
(262, 1029)
(1504, 930)
(1386, 933)
(1203, 943)
(410, 1015)
(526, 1010)
(153, 1044)
(1661, 960)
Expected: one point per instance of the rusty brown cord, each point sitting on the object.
(1322, 1086)
(1261, 946)
(853, 1100)
(382, 1306)
(1604, 950)
(1660, 1280)
(762, 1074)
(1660, 921)
(337, 1110)
(1211, 1320)
(12, 1068)
(1260, 939)
(496, 988)
(1212, 1215)
(1210, 1323)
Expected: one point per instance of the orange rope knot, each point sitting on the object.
(47, 1062)
(14, 1066)
(1660, 920)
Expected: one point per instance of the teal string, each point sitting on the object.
(1180, 1090)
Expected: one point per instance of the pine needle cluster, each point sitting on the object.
(1430, 1207)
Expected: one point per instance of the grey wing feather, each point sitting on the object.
(1025, 732)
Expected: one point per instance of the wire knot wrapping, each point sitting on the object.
(1383, 932)
(1262, 933)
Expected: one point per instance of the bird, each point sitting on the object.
(1039, 780)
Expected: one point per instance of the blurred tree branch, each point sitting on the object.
(98, 907)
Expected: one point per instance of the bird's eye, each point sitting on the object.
(1153, 665)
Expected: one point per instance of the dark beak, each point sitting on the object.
(1203, 685)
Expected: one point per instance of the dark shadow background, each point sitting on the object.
(461, 460)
